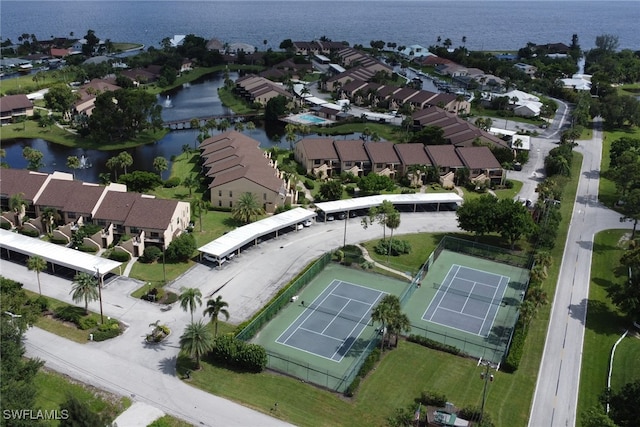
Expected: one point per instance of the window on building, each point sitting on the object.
(348, 164)
(317, 162)
(264, 196)
(220, 203)
(230, 203)
(219, 193)
(230, 193)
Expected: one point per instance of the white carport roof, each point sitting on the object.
(56, 254)
(235, 239)
(396, 199)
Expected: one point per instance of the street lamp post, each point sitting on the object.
(100, 293)
(486, 377)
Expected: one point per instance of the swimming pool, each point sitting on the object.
(312, 119)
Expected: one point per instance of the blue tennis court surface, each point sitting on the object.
(467, 300)
(331, 324)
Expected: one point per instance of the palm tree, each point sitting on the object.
(37, 264)
(160, 164)
(197, 341)
(114, 163)
(247, 208)
(223, 125)
(202, 206)
(85, 288)
(387, 309)
(537, 296)
(189, 298)
(216, 307)
(190, 182)
(17, 205)
(290, 134)
(399, 324)
(238, 126)
(250, 126)
(392, 221)
(73, 163)
(125, 160)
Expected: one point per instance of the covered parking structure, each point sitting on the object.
(56, 255)
(405, 200)
(230, 244)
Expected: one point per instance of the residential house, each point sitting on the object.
(187, 65)
(88, 93)
(234, 164)
(482, 164)
(353, 157)
(383, 157)
(235, 48)
(215, 45)
(145, 218)
(25, 183)
(14, 106)
(318, 156)
(529, 70)
(415, 51)
(148, 74)
(456, 130)
(317, 47)
(260, 90)
(413, 158)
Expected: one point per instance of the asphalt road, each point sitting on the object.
(556, 395)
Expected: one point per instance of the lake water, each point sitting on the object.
(197, 99)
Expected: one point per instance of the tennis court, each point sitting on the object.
(332, 323)
(467, 300)
(326, 340)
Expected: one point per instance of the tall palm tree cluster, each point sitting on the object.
(197, 339)
(391, 318)
(536, 297)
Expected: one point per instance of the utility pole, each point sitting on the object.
(100, 282)
(487, 378)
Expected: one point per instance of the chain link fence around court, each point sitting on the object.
(480, 250)
(497, 344)
(284, 298)
(322, 377)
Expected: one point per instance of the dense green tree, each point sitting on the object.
(34, 157)
(140, 181)
(90, 46)
(631, 207)
(17, 387)
(85, 288)
(181, 248)
(621, 146)
(624, 404)
(190, 299)
(190, 182)
(330, 190)
(596, 417)
(60, 98)
(513, 219)
(430, 135)
(215, 308)
(275, 108)
(37, 264)
(246, 208)
(196, 341)
(477, 215)
(373, 183)
(122, 114)
(80, 414)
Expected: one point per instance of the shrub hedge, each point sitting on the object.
(30, 233)
(239, 354)
(426, 342)
(119, 256)
(512, 361)
(368, 365)
(172, 182)
(58, 240)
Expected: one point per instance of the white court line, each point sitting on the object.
(357, 324)
(319, 333)
(335, 316)
(460, 313)
(497, 308)
(443, 293)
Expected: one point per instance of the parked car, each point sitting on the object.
(342, 215)
(307, 223)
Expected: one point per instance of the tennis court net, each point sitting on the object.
(364, 319)
(478, 297)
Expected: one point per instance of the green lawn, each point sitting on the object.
(386, 132)
(169, 421)
(605, 325)
(607, 190)
(53, 389)
(235, 103)
(62, 329)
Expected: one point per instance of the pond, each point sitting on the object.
(196, 99)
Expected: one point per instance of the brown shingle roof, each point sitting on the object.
(382, 152)
(319, 148)
(412, 154)
(351, 150)
(14, 102)
(444, 156)
(70, 196)
(151, 213)
(115, 206)
(14, 181)
(478, 158)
